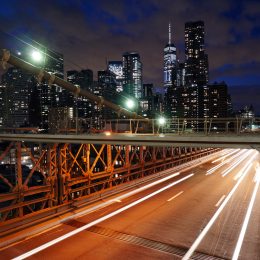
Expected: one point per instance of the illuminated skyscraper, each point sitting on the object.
(84, 79)
(117, 68)
(51, 96)
(15, 94)
(196, 71)
(196, 64)
(169, 63)
(132, 74)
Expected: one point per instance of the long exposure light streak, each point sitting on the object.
(215, 216)
(246, 220)
(236, 163)
(210, 171)
(226, 154)
(97, 221)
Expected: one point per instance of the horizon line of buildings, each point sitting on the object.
(26, 102)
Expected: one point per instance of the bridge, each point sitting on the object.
(44, 176)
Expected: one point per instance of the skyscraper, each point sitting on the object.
(196, 64)
(169, 63)
(84, 79)
(117, 68)
(196, 70)
(107, 89)
(132, 74)
(51, 96)
(15, 93)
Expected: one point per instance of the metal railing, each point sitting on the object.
(186, 126)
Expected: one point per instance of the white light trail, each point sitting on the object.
(236, 155)
(95, 222)
(210, 171)
(175, 196)
(220, 200)
(237, 176)
(213, 219)
(246, 220)
(236, 163)
(228, 153)
(257, 174)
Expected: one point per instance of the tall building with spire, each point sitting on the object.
(170, 62)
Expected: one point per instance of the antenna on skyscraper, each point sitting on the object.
(170, 34)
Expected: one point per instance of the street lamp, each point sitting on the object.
(37, 56)
(130, 104)
(161, 121)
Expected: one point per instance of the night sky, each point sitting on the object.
(90, 32)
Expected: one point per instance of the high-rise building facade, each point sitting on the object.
(196, 65)
(146, 103)
(117, 68)
(170, 63)
(218, 100)
(82, 107)
(15, 93)
(107, 85)
(51, 96)
(132, 74)
(196, 70)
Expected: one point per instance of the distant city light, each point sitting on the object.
(130, 103)
(36, 56)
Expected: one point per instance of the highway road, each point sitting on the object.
(208, 212)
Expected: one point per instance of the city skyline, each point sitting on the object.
(91, 33)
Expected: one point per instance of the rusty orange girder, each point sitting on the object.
(60, 174)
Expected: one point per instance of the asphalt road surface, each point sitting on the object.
(202, 213)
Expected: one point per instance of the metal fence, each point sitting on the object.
(181, 126)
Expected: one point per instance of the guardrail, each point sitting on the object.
(181, 126)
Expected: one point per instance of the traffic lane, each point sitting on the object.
(179, 221)
(251, 245)
(157, 220)
(62, 229)
(66, 228)
(223, 235)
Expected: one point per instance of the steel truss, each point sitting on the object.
(59, 175)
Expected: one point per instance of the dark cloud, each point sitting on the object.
(89, 32)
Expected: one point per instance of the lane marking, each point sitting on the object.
(220, 200)
(97, 221)
(196, 243)
(246, 220)
(175, 196)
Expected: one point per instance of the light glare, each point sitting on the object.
(161, 120)
(36, 56)
(130, 103)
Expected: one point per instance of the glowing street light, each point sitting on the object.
(161, 121)
(36, 56)
(130, 104)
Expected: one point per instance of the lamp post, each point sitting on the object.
(161, 122)
(130, 104)
(37, 56)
